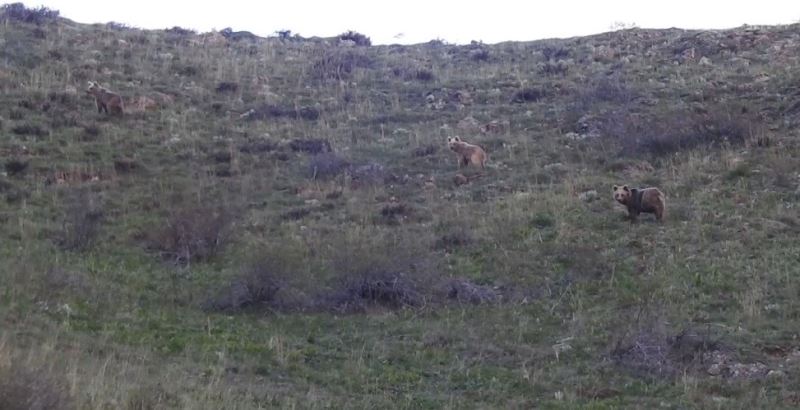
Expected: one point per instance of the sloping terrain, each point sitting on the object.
(278, 222)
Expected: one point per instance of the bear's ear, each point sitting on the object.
(616, 187)
(625, 188)
(456, 138)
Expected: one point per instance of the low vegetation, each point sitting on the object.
(285, 226)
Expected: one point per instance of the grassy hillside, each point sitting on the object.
(277, 222)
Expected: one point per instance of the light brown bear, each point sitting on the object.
(467, 154)
(105, 99)
(638, 200)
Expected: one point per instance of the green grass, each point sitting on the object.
(577, 291)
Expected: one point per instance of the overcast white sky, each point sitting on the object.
(416, 21)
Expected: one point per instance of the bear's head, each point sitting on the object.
(453, 141)
(622, 194)
(94, 88)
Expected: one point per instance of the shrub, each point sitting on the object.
(227, 87)
(555, 53)
(29, 129)
(527, 95)
(679, 130)
(180, 31)
(38, 16)
(554, 69)
(16, 167)
(310, 145)
(325, 165)
(113, 25)
(358, 38)
(192, 233)
(81, 221)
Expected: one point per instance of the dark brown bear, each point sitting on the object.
(638, 200)
(105, 99)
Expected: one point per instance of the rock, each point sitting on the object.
(460, 179)
(715, 369)
(705, 61)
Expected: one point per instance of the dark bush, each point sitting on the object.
(186, 70)
(227, 87)
(92, 131)
(125, 165)
(368, 174)
(679, 130)
(358, 38)
(388, 289)
(15, 167)
(465, 291)
(480, 54)
(38, 16)
(257, 147)
(426, 150)
(29, 129)
(555, 53)
(424, 75)
(257, 287)
(393, 214)
(113, 25)
(81, 222)
(192, 233)
(309, 113)
(310, 145)
(180, 31)
(229, 34)
(297, 214)
(325, 165)
(527, 95)
(554, 69)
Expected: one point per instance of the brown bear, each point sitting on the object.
(105, 99)
(467, 154)
(637, 200)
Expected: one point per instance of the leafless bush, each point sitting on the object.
(393, 214)
(555, 53)
(387, 289)
(310, 145)
(29, 129)
(357, 38)
(16, 166)
(227, 87)
(192, 233)
(465, 291)
(180, 31)
(426, 150)
(325, 165)
(231, 35)
(554, 69)
(81, 222)
(256, 288)
(38, 16)
(679, 130)
(527, 95)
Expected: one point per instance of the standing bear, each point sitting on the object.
(638, 200)
(105, 99)
(467, 154)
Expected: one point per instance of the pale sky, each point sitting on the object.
(417, 21)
